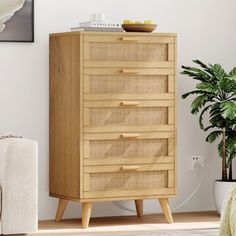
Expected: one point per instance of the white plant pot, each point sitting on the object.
(221, 189)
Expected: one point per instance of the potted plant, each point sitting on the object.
(216, 97)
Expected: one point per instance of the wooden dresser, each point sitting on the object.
(112, 119)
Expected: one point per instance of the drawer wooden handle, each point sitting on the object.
(130, 168)
(126, 104)
(130, 39)
(130, 135)
(130, 72)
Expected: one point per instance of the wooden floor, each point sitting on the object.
(112, 225)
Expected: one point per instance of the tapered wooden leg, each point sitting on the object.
(164, 202)
(139, 207)
(86, 213)
(61, 208)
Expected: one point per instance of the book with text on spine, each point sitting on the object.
(103, 29)
(98, 24)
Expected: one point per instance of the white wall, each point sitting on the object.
(206, 30)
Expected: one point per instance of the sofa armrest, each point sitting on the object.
(19, 182)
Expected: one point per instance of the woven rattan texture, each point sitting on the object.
(128, 181)
(128, 148)
(128, 84)
(128, 52)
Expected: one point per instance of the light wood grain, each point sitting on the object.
(112, 118)
(129, 103)
(118, 34)
(151, 195)
(171, 52)
(171, 178)
(142, 103)
(117, 168)
(118, 96)
(129, 194)
(81, 144)
(130, 135)
(139, 207)
(143, 135)
(113, 160)
(166, 209)
(86, 213)
(171, 115)
(128, 128)
(171, 84)
(130, 168)
(118, 71)
(61, 208)
(64, 130)
(176, 120)
(119, 39)
(129, 67)
(148, 223)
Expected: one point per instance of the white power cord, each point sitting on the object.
(177, 207)
(192, 194)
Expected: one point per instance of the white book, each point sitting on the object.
(103, 29)
(99, 24)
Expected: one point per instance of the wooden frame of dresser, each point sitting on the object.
(87, 203)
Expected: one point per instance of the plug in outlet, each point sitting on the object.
(197, 162)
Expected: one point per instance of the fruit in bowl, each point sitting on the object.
(148, 22)
(138, 26)
(127, 22)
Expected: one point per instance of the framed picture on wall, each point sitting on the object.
(16, 20)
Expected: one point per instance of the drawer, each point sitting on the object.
(128, 81)
(132, 148)
(129, 115)
(128, 180)
(128, 48)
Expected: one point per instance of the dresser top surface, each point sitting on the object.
(113, 34)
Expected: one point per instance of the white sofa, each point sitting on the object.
(18, 184)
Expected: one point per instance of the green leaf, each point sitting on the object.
(231, 143)
(232, 73)
(209, 127)
(207, 87)
(213, 136)
(228, 110)
(201, 116)
(218, 71)
(199, 102)
(227, 85)
(204, 66)
(215, 116)
(192, 93)
(195, 73)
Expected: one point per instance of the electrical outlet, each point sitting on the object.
(197, 162)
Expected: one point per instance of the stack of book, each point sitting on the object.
(98, 26)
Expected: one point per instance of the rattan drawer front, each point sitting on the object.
(102, 181)
(128, 181)
(129, 148)
(129, 115)
(108, 84)
(116, 48)
(110, 81)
